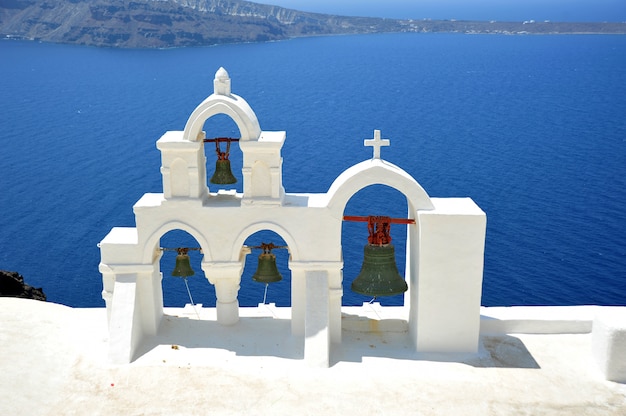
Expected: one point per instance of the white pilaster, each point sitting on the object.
(183, 166)
(317, 337)
(298, 299)
(335, 294)
(125, 332)
(447, 307)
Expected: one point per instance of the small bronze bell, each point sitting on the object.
(379, 274)
(223, 175)
(183, 266)
(267, 271)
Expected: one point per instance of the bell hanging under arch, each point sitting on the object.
(267, 271)
(183, 266)
(223, 175)
(379, 274)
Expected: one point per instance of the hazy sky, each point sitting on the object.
(514, 10)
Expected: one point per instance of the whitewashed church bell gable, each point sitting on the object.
(184, 165)
(444, 250)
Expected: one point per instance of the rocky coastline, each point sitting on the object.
(183, 23)
(12, 285)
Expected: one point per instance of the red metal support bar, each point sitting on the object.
(379, 227)
(217, 140)
(268, 247)
(358, 218)
(181, 250)
(221, 139)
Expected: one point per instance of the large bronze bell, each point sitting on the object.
(267, 271)
(223, 174)
(379, 274)
(183, 266)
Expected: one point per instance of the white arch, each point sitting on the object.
(373, 172)
(233, 106)
(265, 225)
(153, 239)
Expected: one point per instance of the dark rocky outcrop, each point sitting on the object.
(12, 285)
(176, 23)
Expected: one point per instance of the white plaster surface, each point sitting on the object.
(538, 319)
(609, 343)
(53, 362)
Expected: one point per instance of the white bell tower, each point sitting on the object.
(445, 241)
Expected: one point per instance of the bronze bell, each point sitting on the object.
(267, 272)
(183, 266)
(379, 274)
(223, 175)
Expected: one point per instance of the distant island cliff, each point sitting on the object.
(178, 23)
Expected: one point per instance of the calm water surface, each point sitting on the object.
(532, 128)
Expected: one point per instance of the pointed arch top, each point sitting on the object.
(375, 172)
(222, 101)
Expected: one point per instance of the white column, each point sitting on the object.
(317, 338)
(226, 277)
(227, 303)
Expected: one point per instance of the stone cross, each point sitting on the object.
(376, 143)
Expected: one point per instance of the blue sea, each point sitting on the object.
(532, 128)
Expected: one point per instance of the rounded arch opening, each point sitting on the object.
(233, 106)
(371, 172)
(251, 292)
(175, 292)
(373, 199)
(222, 125)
